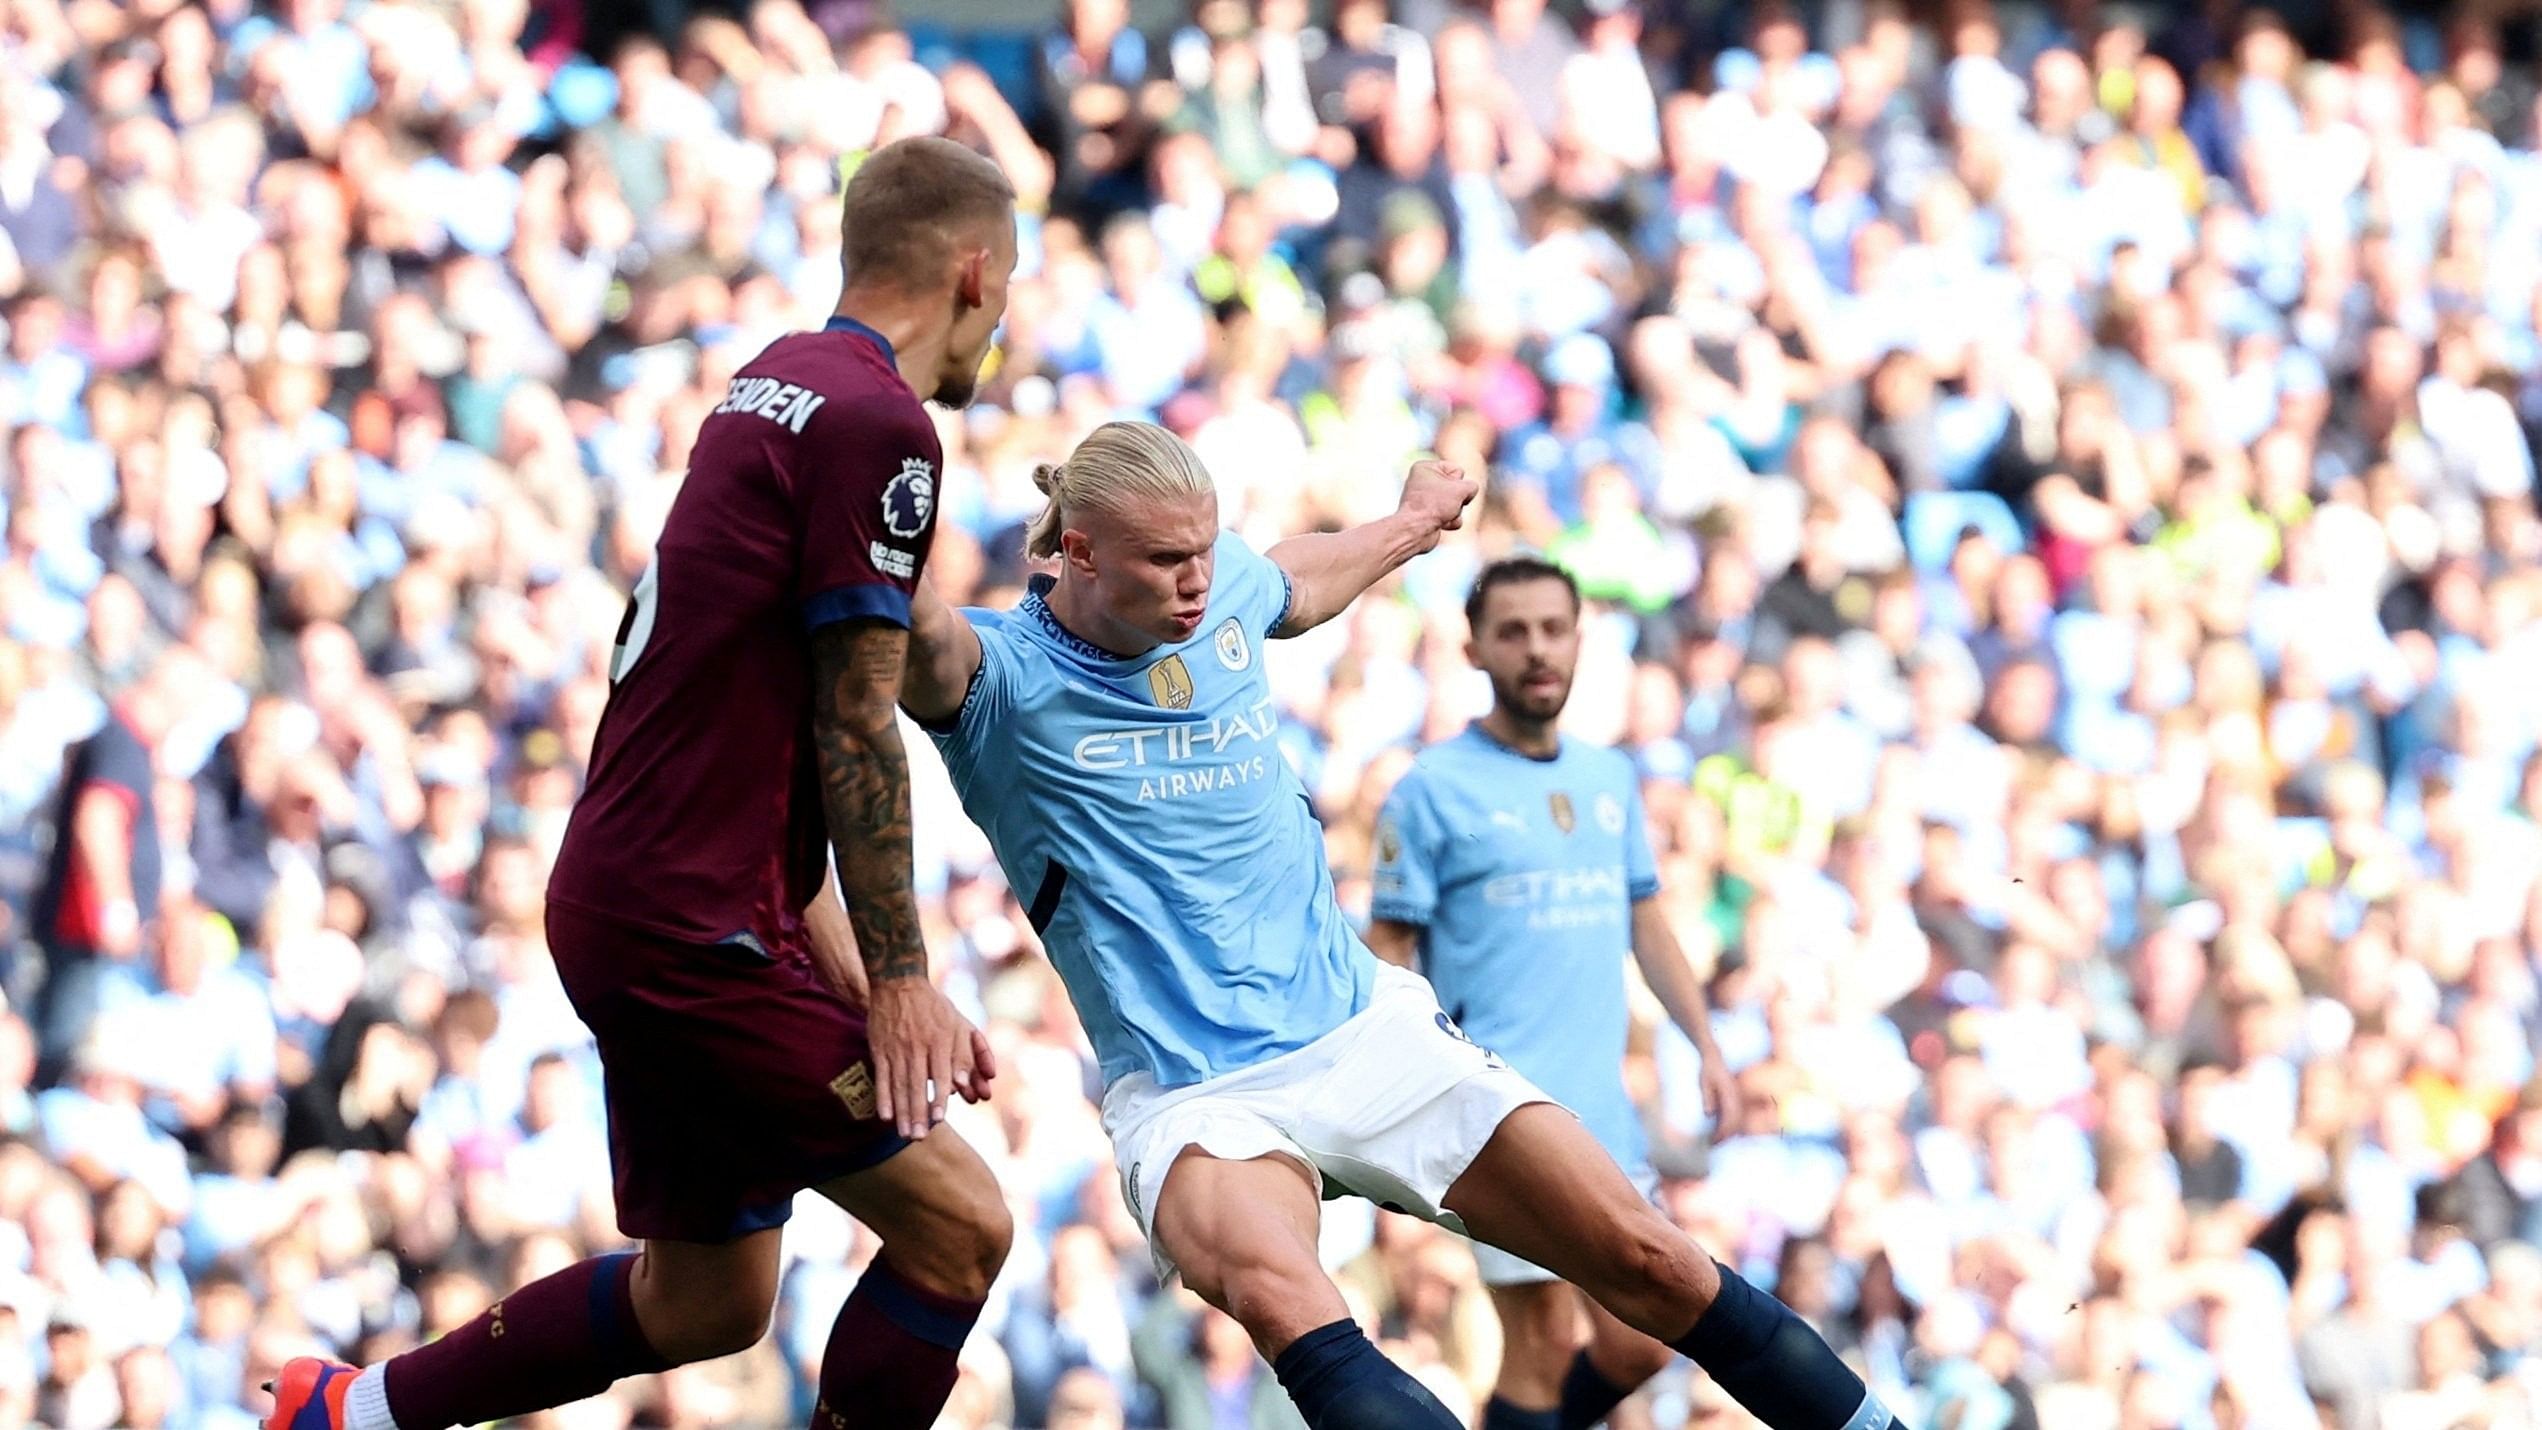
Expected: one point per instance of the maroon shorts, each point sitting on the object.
(735, 1079)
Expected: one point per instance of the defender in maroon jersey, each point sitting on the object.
(752, 729)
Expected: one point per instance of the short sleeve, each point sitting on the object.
(864, 484)
(1641, 870)
(992, 694)
(1256, 584)
(1407, 864)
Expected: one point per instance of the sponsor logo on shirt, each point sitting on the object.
(1562, 898)
(783, 403)
(909, 499)
(1220, 750)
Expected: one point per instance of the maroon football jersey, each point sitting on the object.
(810, 498)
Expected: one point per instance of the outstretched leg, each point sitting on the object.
(1243, 1236)
(558, 1340)
(1543, 1189)
(893, 1353)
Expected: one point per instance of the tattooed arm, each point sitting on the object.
(923, 1050)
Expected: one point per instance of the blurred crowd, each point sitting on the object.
(2056, 486)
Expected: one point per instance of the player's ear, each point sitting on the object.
(970, 282)
(1473, 655)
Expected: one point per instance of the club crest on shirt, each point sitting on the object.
(1564, 818)
(1170, 681)
(1233, 653)
(1610, 813)
(909, 499)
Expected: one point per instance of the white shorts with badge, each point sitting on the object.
(1393, 1106)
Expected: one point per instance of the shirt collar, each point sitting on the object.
(845, 324)
(1039, 610)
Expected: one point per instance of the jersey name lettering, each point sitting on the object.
(783, 403)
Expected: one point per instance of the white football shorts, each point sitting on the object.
(1393, 1106)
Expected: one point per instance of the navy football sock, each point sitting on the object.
(1341, 1381)
(1499, 1414)
(1587, 1395)
(1774, 1364)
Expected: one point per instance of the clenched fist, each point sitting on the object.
(1436, 493)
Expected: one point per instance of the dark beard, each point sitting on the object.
(1515, 699)
(956, 393)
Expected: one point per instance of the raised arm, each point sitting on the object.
(1328, 570)
(944, 653)
(922, 1050)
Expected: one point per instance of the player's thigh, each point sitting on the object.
(1545, 1190)
(734, 1080)
(1243, 1234)
(938, 1209)
(697, 1300)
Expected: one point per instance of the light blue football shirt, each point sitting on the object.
(1160, 844)
(1522, 875)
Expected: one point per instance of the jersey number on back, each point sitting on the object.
(635, 628)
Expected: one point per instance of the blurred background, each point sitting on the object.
(2055, 481)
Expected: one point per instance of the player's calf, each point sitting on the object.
(1242, 1234)
(1543, 1190)
(1540, 1328)
(565, 1338)
(1617, 1361)
(894, 1353)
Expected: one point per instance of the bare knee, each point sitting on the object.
(702, 1318)
(964, 1247)
(1250, 1286)
(1658, 1280)
(1276, 1293)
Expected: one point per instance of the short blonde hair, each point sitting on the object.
(1117, 462)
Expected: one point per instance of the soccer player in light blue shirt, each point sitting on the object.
(1115, 737)
(1514, 870)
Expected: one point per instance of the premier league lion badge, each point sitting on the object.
(910, 499)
